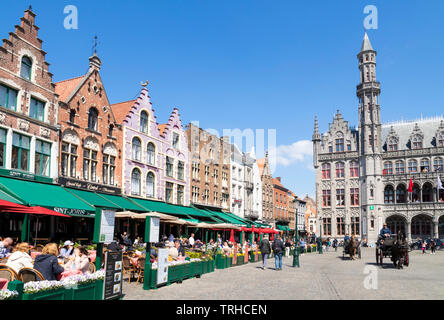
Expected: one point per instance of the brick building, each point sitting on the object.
(280, 200)
(210, 169)
(90, 140)
(267, 190)
(28, 106)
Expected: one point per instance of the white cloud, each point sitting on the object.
(299, 151)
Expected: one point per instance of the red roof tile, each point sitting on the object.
(66, 87)
(121, 109)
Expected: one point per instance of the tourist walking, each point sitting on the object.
(432, 246)
(265, 248)
(424, 245)
(278, 249)
(302, 245)
(287, 247)
(335, 244)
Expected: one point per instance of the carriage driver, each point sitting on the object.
(385, 231)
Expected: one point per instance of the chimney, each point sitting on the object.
(278, 179)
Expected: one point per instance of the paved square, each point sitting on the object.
(325, 276)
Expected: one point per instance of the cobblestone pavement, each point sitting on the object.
(325, 276)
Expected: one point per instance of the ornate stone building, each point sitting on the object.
(363, 174)
(267, 190)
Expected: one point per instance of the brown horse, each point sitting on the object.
(400, 251)
(352, 247)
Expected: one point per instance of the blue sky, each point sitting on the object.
(264, 64)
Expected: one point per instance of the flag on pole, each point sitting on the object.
(439, 183)
(410, 189)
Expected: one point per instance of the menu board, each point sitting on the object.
(235, 254)
(246, 254)
(113, 275)
(107, 226)
(162, 266)
(154, 229)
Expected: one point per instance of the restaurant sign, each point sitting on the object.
(73, 212)
(84, 185)
(24, 175)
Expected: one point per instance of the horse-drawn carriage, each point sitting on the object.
(395, 247)
(352, 247)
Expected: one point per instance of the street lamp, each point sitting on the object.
(296, 247)
(319, 244)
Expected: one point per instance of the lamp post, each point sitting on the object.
(296, 247)
(320, 236)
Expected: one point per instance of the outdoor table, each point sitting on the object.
(34, 254)
(3, 284)
(92, 255)
(134, 261)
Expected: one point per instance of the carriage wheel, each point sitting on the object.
(377, 257)
(406, 261)
(359, 253)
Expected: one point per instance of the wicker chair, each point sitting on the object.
(28, 275)
(3, 260)
(8, 273)
(92, 267)
(128, 268)
(141, 265)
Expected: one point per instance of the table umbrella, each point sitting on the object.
(232, 236)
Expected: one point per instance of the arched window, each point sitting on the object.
(388, 168)
(425, 165)
(150, 183)
(340, 170)
(388, 194)
(26, 68)
(413, 166)
(399, 167)
(144, 122)
(354, 169)
(440, 139)
(416, 193)
(438, 164)
(417, 142)
(326, 171)
(135, 182)
(136, 149)
(401, 194)
(93, 115)
(151, 153)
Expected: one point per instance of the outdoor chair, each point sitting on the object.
(39, 248)
(92, 267)
(8, 273)
(3, 260)
(27, 275)
(141, 263)
(128, 268)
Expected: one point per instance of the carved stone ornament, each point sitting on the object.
(2, 117)
(23, 125)
(110, 149)
(45, 132)
(91, 143)
(70, 137)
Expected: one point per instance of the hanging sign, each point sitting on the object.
(162, 266)
(154, 229)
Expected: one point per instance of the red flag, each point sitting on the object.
(410, 189)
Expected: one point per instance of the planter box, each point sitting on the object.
(59, 294)
(221, 262)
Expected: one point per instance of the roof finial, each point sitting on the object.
(144, 84)
(95, 45)
(30, 8)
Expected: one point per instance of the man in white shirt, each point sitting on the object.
(191, 240)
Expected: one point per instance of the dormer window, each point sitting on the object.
(26, 67)
(417, 143)
(440, 140)
(340, 145)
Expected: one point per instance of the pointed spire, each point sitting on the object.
(316, 134)
(366, 45)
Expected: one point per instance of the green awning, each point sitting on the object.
(283, 228)
(93, 199)
(158, 206)
(122, 202)
(45, 195)
(227, 217)
(7, 197)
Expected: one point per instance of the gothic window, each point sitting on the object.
(111, 128)
(388, 194)
(89, 164)
(354, 169)
(326, 226)
(340, 197)
(109, 167)
(150, 183)
(26, 67)
(136, 149)
(427, 192)
(354, 225)
(425, 165)
(354, 196)
(169, 166)
(413, 166)
(326, 168)
(440, 140)
(326, 198)
(340, 170)
(399, 167)
(349, 147)
(340, 226)
(339, 145)
(438, 164)
(401, 194)
(93, 115)
(144, 122)
(135, 182)
(388, 168)
(392, 145)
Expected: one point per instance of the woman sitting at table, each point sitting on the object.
(20, 258)
(67, 249)
(79, 261)
(47, 263)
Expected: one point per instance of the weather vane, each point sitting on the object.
(144, 84)
(95, 44)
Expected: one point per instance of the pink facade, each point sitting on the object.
(147, 148)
